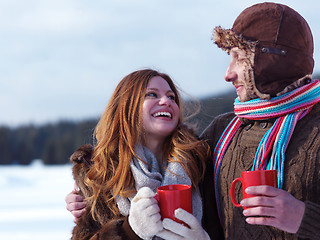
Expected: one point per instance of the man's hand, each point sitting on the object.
(75, 204)
(273, 207)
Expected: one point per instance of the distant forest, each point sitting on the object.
(54, 143)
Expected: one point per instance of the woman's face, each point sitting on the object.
(160, 112)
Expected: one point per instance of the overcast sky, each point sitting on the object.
(61, 59)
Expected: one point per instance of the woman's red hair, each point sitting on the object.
(120, 130)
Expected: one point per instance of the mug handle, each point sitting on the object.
(232, 193)
(157, 197)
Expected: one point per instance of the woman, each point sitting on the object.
(141, 144)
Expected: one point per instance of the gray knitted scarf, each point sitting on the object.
(151, 174)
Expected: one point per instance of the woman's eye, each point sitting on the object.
(172, 97)
(151, 94)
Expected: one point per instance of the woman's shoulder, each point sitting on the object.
(81, 160)
(82, 155)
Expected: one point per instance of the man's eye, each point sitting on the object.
(241, 60)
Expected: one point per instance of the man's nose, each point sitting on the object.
(230, 74)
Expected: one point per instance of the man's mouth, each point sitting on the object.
(162, 114)
(238, 87)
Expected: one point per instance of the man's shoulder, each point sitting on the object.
(225, 116)
(314, 115)
(222, 119)
(218, 124)
(316, 109)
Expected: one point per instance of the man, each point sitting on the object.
(271, 50)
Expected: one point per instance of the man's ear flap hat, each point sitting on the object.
(280, 44)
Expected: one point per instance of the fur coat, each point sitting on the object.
(107, 226)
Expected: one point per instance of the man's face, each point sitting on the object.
(236, 72)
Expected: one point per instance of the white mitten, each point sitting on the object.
(144, 216)
(176, 231)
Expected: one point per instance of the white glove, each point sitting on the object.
(144, 216)
(176, 231)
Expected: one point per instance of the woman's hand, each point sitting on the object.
(275, 207)
(75, 203)
(144, 216)
(176, 231)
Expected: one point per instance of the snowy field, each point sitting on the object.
(32, 203)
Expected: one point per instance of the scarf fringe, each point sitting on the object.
(288, 109)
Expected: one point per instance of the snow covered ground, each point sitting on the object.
(32, 203)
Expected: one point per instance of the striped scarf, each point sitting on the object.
(287, 109)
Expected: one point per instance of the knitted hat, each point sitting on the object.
(279, 42)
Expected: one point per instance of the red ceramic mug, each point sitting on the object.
(253, 178)
(172, 197)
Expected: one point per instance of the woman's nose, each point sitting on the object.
(164, 100)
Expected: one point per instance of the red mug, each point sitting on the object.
(172, 197)
(253, 178)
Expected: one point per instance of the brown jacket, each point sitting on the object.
(301, 178)
(107, 226)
